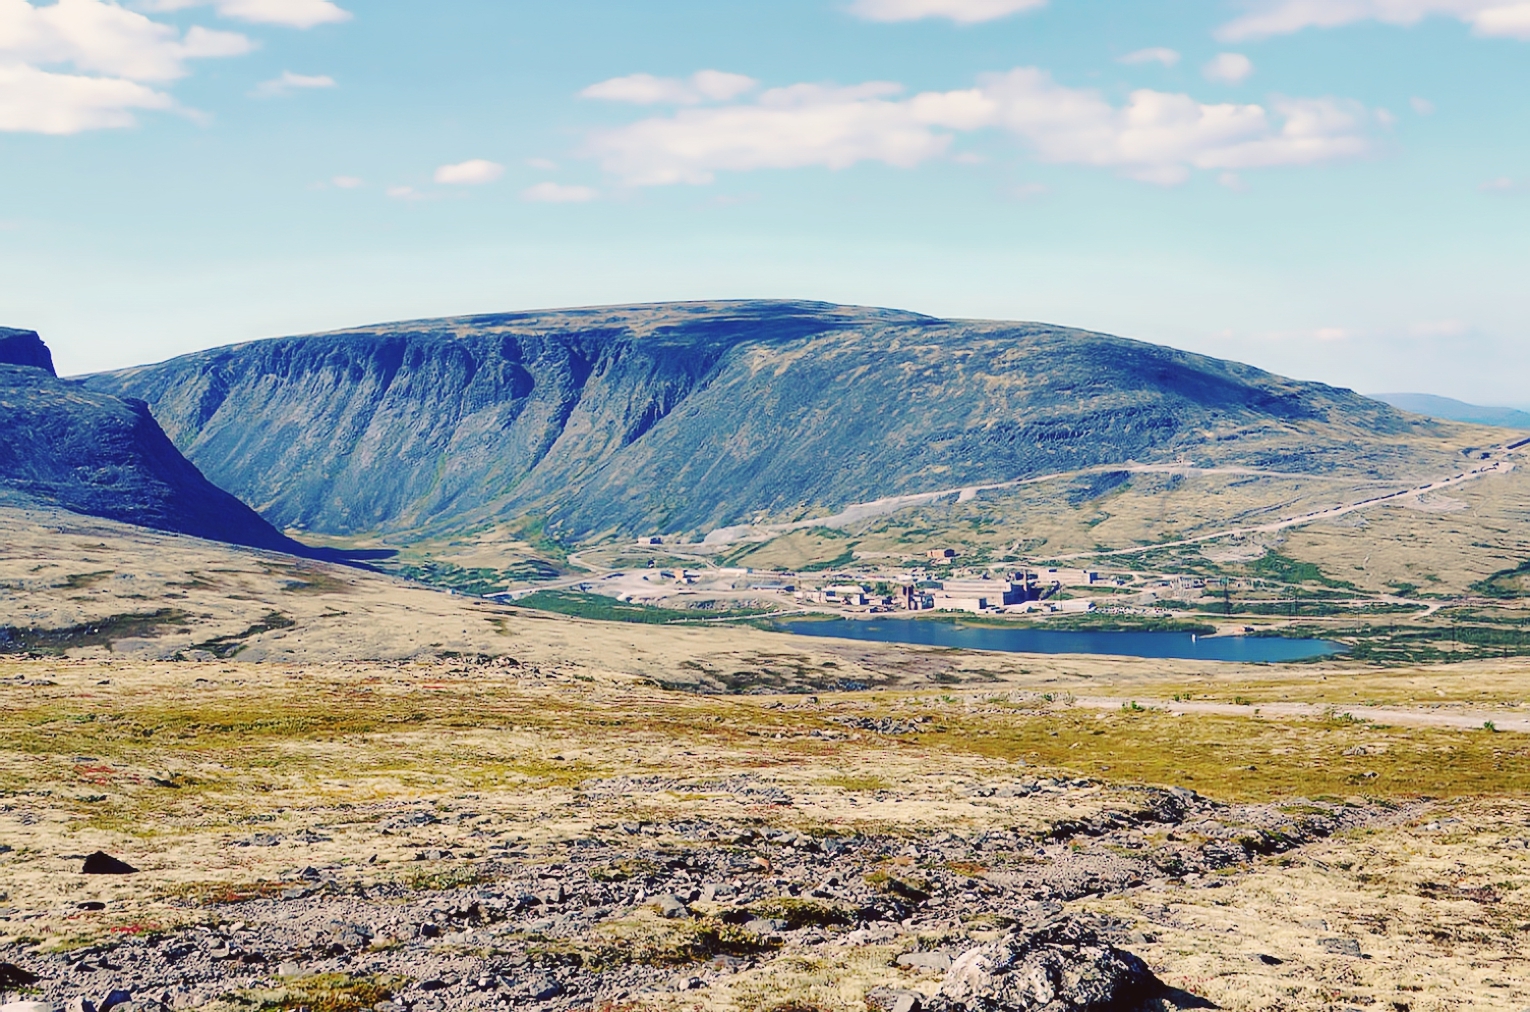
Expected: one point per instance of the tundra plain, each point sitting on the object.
(340, 789)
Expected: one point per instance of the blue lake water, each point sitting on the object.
(1181, 645)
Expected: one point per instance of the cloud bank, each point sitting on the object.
(1503, 18)
(1155, 136)
(291, 13)
(80, 65)
(963, 12)
(646, 89)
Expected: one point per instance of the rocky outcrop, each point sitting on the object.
(93, 453)
(24, 347)
(1061, 967)
(683, 418)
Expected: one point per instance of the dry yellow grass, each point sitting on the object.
(179, 766)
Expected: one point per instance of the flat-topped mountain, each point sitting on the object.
(93, 453)
(680, 418)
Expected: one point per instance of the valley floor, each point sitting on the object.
(343, 792)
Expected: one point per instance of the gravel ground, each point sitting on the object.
(637, 910)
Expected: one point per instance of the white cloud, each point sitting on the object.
(1156, 54)
(289, 82)
(544, 164)
(103, 38)
(793, 127)
(1503, 184)
(1156, 136)
(111, 55)
(1233, 182)
(963, 12)
(559, 193)
(403, 193)
(291, 13)
(646, 89)
(1228, 68)
(1422, 106)
(348, 182)
(1332, 334)
(1506, 18)
(473, 172)
(37, 101)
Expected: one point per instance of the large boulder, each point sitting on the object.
(1060, 967)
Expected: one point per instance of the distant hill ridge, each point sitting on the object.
(100, 455)
(1457, 411)
(686, 417)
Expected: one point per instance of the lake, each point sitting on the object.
(1179, 645)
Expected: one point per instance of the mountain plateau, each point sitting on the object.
(682, 418)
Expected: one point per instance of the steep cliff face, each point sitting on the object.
(24, 347)
(93, 453)
(684, 417)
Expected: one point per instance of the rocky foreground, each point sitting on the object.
(650, 912)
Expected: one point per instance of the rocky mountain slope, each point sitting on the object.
(92, 453)
(685, 417)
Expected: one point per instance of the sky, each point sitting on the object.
(1335, 190)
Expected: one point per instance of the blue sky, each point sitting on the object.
(1333, 189)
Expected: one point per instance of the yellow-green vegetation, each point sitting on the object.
(653, 941)
(331, 993)
(1251, 759)
(799, 912)
(899, 879)
(623, 869)
(858, 782)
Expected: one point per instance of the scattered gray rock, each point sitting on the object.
(114, 998)
(672, 907)
(1062, 966)
(926, 960)
(1340, 946)
(889, 999)
(545, 989)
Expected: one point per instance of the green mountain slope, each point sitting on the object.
(686, 417)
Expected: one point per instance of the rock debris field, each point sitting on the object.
(636, 912)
